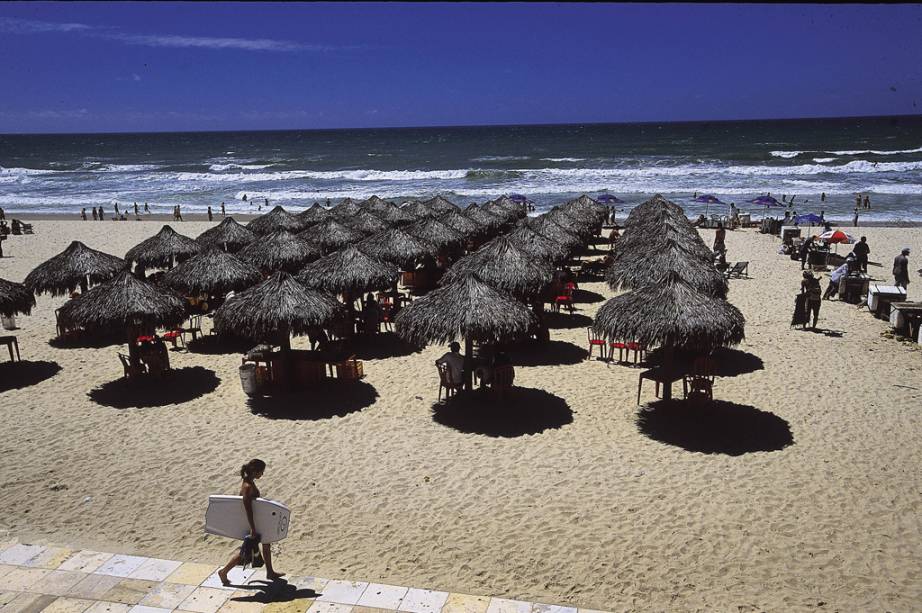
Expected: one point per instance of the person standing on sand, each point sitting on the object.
(719, 237)
(95, 216)
(250, 472)
(146, 209)
(223, 214)
(136, 209)
(811, 287)
(858, 200)
(867, 202)
(102, 213)
(901, 269)
(209, 212)
(83, 213)
(861, 251)
(178, 213)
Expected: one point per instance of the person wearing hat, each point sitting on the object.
(901, 268)
(814, 298)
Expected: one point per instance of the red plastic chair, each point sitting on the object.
(638, 349)
(565, 299)
(620, 346)
(595, 341)
(172, 336)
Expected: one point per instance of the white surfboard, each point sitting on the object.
(227, 517)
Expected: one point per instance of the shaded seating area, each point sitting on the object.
(15, 298)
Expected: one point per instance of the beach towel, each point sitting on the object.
(800, 310)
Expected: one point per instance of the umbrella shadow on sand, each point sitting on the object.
(176, 387)
(219, 344)
(714, 427)
(727, 362)
(380, 346)
(329, 398)
(565, 321)
(81, 340)
(25, 373)
(550, 353)
(584, 296)
(521, 411)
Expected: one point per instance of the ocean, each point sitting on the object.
(734, 160)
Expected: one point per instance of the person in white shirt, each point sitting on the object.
(455, 363)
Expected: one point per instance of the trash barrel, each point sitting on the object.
(9, 323)
(248, 379)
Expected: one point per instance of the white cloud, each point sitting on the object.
(175, 41)
(27, 26)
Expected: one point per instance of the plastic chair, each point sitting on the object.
(565, 299)
(638, 349)
(503, 378)
(195, 327)
(445, 383)
(595, 341)
(172, 336)
(699, 383)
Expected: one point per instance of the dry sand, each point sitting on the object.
(589, 507)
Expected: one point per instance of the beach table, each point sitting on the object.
(880, 297)
(852, 288)
(905, 317)
(11, 342)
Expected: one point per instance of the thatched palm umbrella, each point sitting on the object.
(504, 266)
(467, 308)
(315, 214)
(572, 221)
(213, 272)
(395, 216)
(228, 235)
(471, 207)
(658, 266)
(595, 208)
(275, 309)
(639, 242)
(76, 266)
(490, 221)
(436, 233)
(672, 314)
(464, 225)
(163, 249)
(418, 209)
(124, 303)
(367, 223)
(376, 204)
(348, 272)
(15, 298)
(332, 234)
(655, 204)
(504, 208)
(557, 233)
(538, 245)
(440, 205)
(346, 209)
(279, 251)
(398, 246)
(275, 220)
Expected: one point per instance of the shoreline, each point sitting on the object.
(203, 218)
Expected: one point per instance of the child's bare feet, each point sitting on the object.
(223, 576)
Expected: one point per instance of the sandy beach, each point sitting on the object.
(810, 497)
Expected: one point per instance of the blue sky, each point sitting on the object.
(89, 67)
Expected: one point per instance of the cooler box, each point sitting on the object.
(9, 323)
(248, 379)
(789, 232)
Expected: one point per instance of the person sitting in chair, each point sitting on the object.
(454, 361)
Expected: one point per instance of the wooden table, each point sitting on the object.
(906, 316)
(11, 342)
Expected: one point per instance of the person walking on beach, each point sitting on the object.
(2, 214)
(867, 202)
(811, 287)
(901, 269)
(102, 214)
(855, 218)
(146, 209)
(136, 214)
(223, 214)
(719, 237)
(861, 251)
(116, 209)
(95, 216)
(805, 249)
(209, 213)
(83, 213)
(250, 472)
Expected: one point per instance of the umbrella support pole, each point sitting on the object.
(668, 360)
(468, 364)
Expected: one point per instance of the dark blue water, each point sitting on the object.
(734, 160)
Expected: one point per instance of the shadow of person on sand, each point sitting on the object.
(25, 373)
(566, 321)
(379, 346)
(551, 353)
(329, 398)
(219, 344)
(714, 426)
(266, 592)
(177, 386)
(521, 411)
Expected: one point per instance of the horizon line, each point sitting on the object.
(455, 126)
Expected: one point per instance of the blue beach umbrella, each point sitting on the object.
(766, 201)
(609, 199)
(517, 198)
(708, 199)
(810, 218)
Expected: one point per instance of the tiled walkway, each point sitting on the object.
(49, 579)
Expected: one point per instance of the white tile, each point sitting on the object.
(143, 609)
(121, 565)
(343, 592)
(551, 608)
(18, 555)
(382, 596)
(205, 600)
(504, 605)
(156, 570)
(108, 607)
(423, 601)
(85, 561)
(308, 583)
(238, 576)
(329, 607)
